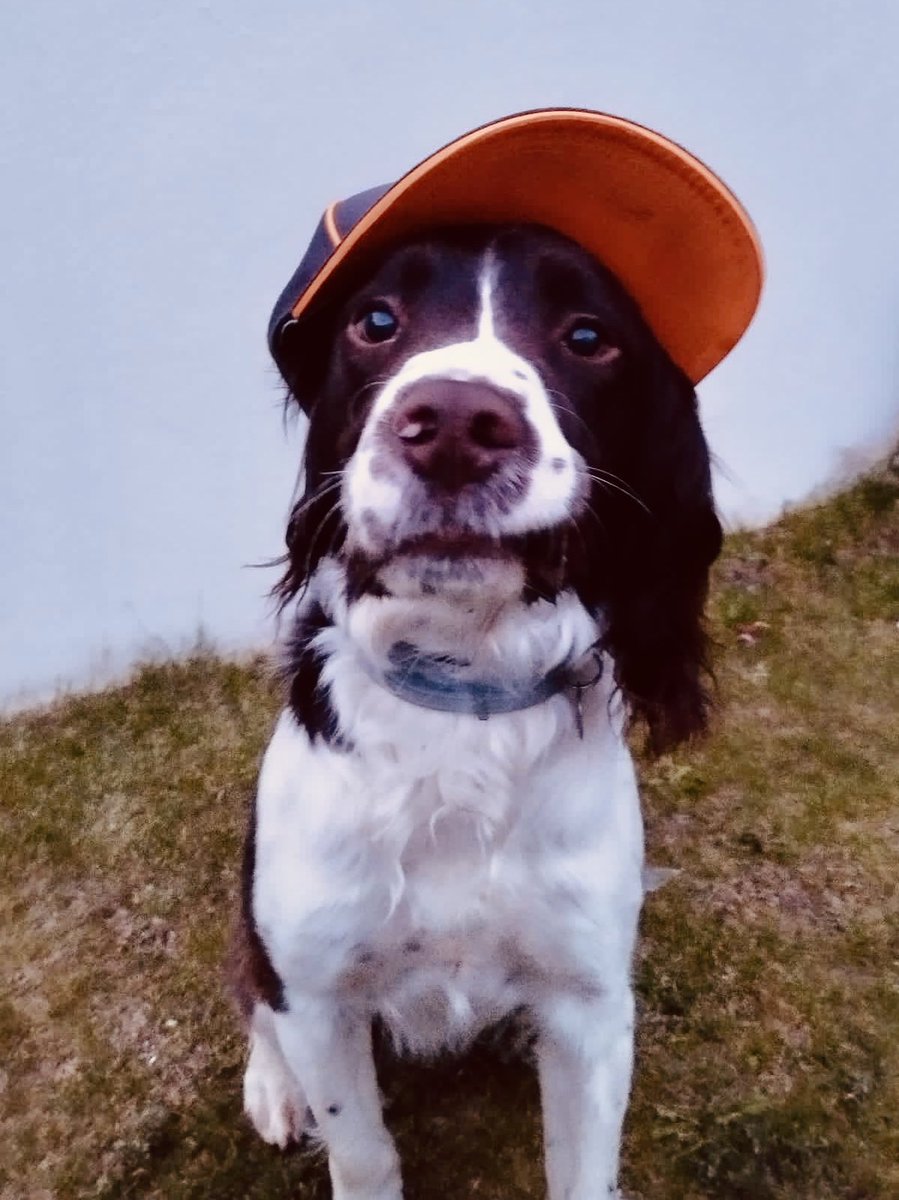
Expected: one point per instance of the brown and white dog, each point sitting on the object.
(507, 514)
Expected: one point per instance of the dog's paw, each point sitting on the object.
(273, 1100)
(381, 1181)
(388, 1191)
(392, 1192)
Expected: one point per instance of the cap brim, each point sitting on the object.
(670, 230)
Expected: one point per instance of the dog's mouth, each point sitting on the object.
(461, 562)
(455, 543)
(453, 561)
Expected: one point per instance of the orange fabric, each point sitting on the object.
(671, 231)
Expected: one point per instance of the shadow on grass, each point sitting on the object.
(480, 1110)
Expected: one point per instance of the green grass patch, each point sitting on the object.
(768, 970)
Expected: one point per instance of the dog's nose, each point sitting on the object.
(452, 432)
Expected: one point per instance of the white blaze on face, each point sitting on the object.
(374, 494)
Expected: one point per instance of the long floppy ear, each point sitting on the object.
(301, 354)
(661, 549)
(314, 527)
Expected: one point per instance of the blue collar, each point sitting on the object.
(434, 681)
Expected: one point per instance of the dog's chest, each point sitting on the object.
(447, 897)
(454, 953)
(476, 929)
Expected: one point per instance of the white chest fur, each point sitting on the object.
(444, 869)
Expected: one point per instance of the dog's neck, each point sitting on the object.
(471, 644)
(448, 685)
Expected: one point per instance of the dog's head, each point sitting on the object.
(488, 409)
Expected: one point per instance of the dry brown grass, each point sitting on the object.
(768, 973)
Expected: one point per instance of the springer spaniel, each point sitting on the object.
(499, 561)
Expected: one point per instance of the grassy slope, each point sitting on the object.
(768, 972)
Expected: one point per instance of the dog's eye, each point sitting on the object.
(584, 339)
(378, 324)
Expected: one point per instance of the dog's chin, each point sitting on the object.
(458, 565)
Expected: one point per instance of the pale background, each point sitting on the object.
(165, 164)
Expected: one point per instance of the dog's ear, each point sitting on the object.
(661, 548)
(301, 354)
(314, 526)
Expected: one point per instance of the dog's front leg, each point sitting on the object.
(585, 1058)
(329, 1049)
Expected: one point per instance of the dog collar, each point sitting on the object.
(437, 682)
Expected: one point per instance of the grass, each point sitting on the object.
(768, 973)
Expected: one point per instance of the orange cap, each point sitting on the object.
(658, 218)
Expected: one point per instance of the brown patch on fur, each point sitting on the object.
(249, 968)
(251, 976)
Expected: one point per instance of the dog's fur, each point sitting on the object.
(494, 490)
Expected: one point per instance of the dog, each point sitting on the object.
(497, 566)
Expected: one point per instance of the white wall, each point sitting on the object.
(164, 166)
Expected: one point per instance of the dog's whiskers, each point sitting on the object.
(319, 529)
(608, 482)
(318, 494)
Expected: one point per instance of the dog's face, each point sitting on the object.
(489, 409)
